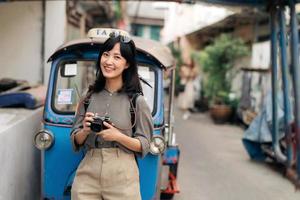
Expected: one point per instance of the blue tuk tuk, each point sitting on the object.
(72, 71)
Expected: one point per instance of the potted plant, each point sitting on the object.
(217, 62)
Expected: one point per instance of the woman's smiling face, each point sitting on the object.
(112, 63)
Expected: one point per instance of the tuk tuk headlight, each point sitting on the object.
(157, 145)
(43, 139)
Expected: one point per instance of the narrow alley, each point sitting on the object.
(214, 165)
(87, 86)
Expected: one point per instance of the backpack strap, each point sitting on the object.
(132, 109)
(87, 100)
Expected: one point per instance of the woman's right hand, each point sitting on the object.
(81, 135)
(88, 118)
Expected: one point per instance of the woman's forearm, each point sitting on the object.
(131, 143)
(80, 136)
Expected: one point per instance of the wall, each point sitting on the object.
(182, 19)
(20, 160)
(144, 9)
(20, 58)
(186, 49)
(20, 39)
(55, 30)
(73, 33)
(246, 32)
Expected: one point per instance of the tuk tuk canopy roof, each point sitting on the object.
(146, 46)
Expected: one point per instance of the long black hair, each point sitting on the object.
(131, 83)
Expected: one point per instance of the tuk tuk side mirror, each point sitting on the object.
(68, 70)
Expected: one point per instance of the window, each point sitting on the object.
(155, 33)
(148, 75)
(69, 89)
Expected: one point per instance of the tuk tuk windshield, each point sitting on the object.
(74, 77)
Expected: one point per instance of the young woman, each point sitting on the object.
(109, 169)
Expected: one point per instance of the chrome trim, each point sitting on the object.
(47, 132)
(164, 142)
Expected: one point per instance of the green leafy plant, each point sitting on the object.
(217, 62)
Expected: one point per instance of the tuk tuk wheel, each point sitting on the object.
(164, 196)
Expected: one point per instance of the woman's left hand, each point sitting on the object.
(111, 133)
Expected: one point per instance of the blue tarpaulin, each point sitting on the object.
(259, 131)
(30, 98)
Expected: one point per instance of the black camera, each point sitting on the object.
(97, 125)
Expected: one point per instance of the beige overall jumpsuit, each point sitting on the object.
(109, 170)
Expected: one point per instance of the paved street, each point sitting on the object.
(215, 166)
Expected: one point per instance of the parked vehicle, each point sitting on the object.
(72, 71)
